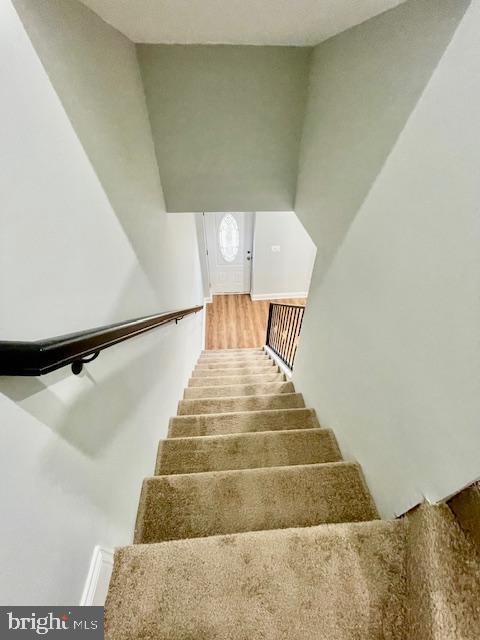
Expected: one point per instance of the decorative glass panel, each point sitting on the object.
(228, 237)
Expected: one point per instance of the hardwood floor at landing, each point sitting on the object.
(235, 321)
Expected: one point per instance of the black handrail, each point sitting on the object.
(42, 356)
(283, 330)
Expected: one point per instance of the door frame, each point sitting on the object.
(205, 257)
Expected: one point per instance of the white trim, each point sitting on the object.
(204, 320)
(252, 252)
(208, 300)
(205, 257)
(98, 578)
(278, 296)
(283, 367)
(230, 293)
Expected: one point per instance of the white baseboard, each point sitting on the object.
(283, 367)
(229, 293)
(278, 296)
(208, 300)
(98, 578)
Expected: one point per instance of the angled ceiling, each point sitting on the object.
(257, 22)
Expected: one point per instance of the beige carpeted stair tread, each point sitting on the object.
(238, 362)
(443, 571)
(240, 403)
(246, 451)
(235, 371)
(241, 422)
(205, 504)
(212, 357)
(332, 582)
(466, 508)
(235, 364)
(261, 389)
(233, 356)
(241, 544)
(207, 381)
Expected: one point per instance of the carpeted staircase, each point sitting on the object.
(253, 527)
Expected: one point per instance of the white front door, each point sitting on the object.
(229, 238)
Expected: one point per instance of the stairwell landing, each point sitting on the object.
(253, 527)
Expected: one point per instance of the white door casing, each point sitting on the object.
(229, 239)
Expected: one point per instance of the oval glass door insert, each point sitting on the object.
(228, 237)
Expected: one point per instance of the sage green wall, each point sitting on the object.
(363, 85)
(94, 70)
(226, 123)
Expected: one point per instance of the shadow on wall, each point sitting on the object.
(77, 408)
(74, 407)
(108, 113)
(90, 413)
(364, 84)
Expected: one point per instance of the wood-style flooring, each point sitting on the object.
(236, 322)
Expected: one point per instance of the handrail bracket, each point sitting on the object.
(77, 365)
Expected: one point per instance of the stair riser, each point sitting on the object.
(247, 403)
(233, 357)
(236, 363)
(238, 390)
(246, 451)
(206, 504)
(243, 422)
(206, 381)
(226, 352)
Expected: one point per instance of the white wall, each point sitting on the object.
(85, 241)
(283, 273)
(390, 354)
(227, 122)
